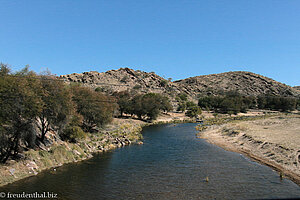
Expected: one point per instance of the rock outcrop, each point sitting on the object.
(246, 83)
(122, 79)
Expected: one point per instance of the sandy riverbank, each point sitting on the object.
(274, 141)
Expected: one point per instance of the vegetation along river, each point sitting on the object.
(172, 164)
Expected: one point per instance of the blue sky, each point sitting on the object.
(175, 38)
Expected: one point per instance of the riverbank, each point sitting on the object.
(273, 141)
(119, 133)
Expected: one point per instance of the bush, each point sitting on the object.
(193, 112)
(124, 79)
(100, 89)
(136, 87)
(73, 134)
(163, 83)
(181, 97)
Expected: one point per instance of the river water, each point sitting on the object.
(171, 164)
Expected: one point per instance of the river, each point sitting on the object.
(171, 164)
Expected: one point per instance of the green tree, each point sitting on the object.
(288, 103)
(190, 104)
(137, 106)
(123, 101)
(4, 69)
(181, 97)
(149, 105)
(164, 103)
(193, 112)
(298, 104)
(181, 106)
(96, 108)
(19, 105)
(205, 102)
(57, 105)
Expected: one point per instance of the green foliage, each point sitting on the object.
(230, 103)
(137, 106)
(73, 134)
(233, 103)
(163, 83)
(277, 103)
(123, 101)
(96, 108)
(124, 79)
(190, 104)
(27, 99)
(148, 105)
(4, 69)
(151, 105)
(164, 103)
(182, 102)
(181, 97)
(19, 105)
(100, 89)
(181, 106)
(136, 87)
(206, 102)
(193, 111)
(57, 105)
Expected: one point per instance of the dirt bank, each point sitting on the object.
(274, 141)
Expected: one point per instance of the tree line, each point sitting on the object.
(32, 105)
(233, 103)
(144, 106)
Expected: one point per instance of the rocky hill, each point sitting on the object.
(297, 88)
(246, 83)
(123, 79)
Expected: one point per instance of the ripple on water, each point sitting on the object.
(172, 164)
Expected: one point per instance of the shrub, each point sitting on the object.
(163, 83)
(193, 112)
(136, 87)
(73, 134)
(124, 79)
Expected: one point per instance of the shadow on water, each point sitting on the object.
(172, 164)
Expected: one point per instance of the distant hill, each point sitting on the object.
(246, 83)
(297, 88)
(123, 79)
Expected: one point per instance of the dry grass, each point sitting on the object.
(274, 141)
